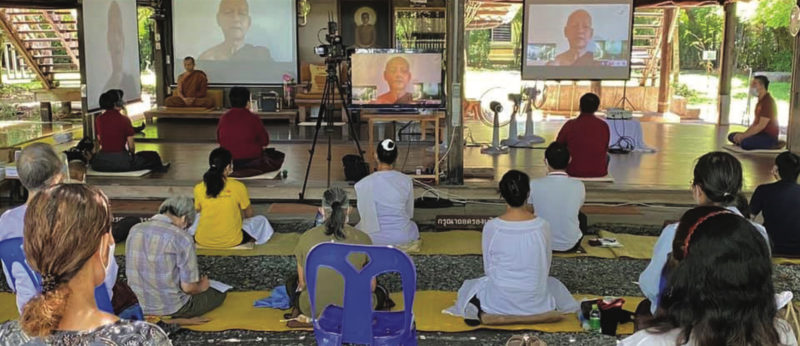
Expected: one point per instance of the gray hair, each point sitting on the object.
(37, 166)
(335, 203)
(179, 206)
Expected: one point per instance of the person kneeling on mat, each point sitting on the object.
(117, 152)
(161, 264)
(516, 261)
(225, 217)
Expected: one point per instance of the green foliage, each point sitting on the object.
(478, 48)
(145, 38)
(516, 38)
(699, 29)
(774, 14)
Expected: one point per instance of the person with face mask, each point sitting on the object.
(717, 182)
(161, 264)
(39, 167)
(763, 132)
(68, 241)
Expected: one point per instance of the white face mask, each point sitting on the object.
(754, 91)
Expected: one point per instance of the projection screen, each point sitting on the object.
(236, 41)
(577, 39)
(111, 49)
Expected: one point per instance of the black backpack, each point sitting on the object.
(354, 168)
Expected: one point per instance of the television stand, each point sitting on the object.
(397, 111)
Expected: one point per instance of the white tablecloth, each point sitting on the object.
(625, 133)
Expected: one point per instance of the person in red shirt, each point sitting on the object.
(117, 150)
(587, 139)
(763, 132)
(242, 133)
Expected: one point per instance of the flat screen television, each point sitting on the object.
(577, 39)
(383, 78)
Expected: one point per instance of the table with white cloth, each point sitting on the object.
(627, 134)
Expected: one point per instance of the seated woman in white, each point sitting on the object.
(516, 260)
(386, 203)
(719, 288)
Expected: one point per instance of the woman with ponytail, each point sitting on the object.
(516, 260)
(717, 182)
(68, 241)
(780, 204)
(225, 217)
(330, 290)
(386, 203)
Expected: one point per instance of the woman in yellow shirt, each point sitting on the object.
(225, 217)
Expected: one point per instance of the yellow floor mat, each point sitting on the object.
(8, 307)
(433, 243)
(633, 246)
(238, 313)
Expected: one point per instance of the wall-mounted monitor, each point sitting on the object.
(236, 41)
(577, 39)
(384, 78)
(111, 49)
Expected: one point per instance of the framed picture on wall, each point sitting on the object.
(366, 23)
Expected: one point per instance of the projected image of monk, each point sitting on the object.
(118, 79)
(579, 33)
(397, 75)
(233, 18)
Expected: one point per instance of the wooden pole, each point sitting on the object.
(455, 59)
(727, 64)
(793, 132)
(664, 90)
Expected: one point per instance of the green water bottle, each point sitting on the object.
(594, 319)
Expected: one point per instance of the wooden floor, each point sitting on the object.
(661, 177)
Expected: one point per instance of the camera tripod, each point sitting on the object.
(326, 109)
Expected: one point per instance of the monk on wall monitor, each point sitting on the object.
(192, 88)
(397, 74)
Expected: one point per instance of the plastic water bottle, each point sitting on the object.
(594, 319)
(319, 220)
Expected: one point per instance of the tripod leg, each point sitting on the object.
(353, 130)
(320, 116)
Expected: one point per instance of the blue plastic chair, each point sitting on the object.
(11, 251)
(356, 322)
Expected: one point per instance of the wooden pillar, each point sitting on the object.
(793, 133)
(159, 61)
(454, 84)
(727, 64)
(664, 90)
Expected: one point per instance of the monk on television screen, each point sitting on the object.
(388, 78)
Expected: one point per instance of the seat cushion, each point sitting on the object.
(318, 76)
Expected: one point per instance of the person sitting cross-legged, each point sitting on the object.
(225, 217)
(162, 264)
(330, 285)
(192, 88)
(386, 203)
(763, 132)
(587, 138)
(558, 199)
(718, 288)
(779, 202)
(242, 133)
(516, 260)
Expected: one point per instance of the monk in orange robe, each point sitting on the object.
(397, 75)
(192, 88)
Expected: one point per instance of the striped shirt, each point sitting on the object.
(159, 256)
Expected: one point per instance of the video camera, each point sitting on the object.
(334, 51)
